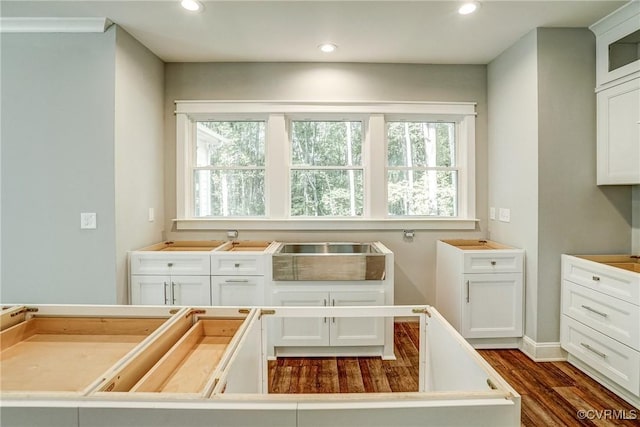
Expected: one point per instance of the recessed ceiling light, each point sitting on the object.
(468, 8)
(327, 47)
(192, 5)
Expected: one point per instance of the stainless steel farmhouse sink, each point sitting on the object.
(328, 261)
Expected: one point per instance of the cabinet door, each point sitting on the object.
(190, 290)
(151, 290)
(492, 305)
(300, 331)
(355, 331)
(619, 134)
(245, 291)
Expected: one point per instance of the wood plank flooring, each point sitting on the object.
(552, 392)
(351, 374)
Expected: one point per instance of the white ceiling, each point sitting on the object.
(365, 31)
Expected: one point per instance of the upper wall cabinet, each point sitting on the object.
(618, 93)
(618, 44)
(619, 134)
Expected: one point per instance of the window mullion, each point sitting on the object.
(277, 167)
(376, 170)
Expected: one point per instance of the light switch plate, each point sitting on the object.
(88, 220)
(492, 213)
(505, 215)
(152, 215)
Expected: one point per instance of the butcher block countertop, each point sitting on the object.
(184, 246)
(624, 262)
(474, 245)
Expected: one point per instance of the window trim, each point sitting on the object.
(278, 115)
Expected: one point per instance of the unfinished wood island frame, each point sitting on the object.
(193, 366)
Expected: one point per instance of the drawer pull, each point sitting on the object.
(493, 263)
(164, 289)
(325, 304)
(599, 313)
(237, 281)
(595, 278)
(333, 303)
(169, 264)
(593, 350)
(236, 265)
(467, 291)
(173, 292)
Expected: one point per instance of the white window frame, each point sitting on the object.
(278, 115)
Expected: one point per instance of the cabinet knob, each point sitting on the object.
(493, 263)
(595, 278)
(169, 264)
(237, 265)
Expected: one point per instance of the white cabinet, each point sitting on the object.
(492, 306)
(309, 332)
(237, 290)
(600, 321)
(618, 44)
(237, 279)
(233, 263)
(619, 134)
(170, 278)
(303, 331)
(171, 290)
(618, 95)
(479, 290)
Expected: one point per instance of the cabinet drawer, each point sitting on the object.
(185, 264)
(246, 291)
(603, 278)
(493, 262)
(237, 264)
(612, 359)
(617, 319)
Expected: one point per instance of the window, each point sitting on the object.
(422, 175)
(326, 168)
(229, 170)
(311, 165)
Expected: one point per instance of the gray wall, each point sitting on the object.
(415, 261)
(139, 151)
(573, 214)
(57, 161)
(513, 157)
(82, 131)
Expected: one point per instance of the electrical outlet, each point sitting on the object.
(505, 215)
(88, 220)
(492, 213)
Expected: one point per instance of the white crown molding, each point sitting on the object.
(54, 25)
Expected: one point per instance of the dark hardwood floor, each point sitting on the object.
(351, 374)
(552, 393)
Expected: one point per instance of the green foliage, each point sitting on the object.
(232, 157)
(326, 193)
(418, 154)
(326, 176)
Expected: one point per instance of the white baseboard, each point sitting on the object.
(544, 351)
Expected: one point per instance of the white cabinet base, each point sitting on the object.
(479, 290)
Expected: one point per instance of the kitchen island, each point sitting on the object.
(177, 344)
